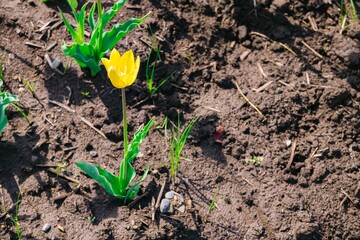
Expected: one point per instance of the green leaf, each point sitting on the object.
(71, 30)
(84, 56)
(113, 36)
(91, 19)
(106, 179)
(81, 25)
(108, 15)
(5, 100)
(73, 4)
(125, 177)
(133, 190)
(185, 133)
(133, 151)
(140, 134)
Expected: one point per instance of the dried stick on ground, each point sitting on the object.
(251, 104)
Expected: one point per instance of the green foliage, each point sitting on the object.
(88, 55)
(119, 186)
(150, 76)
(348, 13)
(5, 100)
(214, 201)
(254, 160)
(177, 143)
(15, 218)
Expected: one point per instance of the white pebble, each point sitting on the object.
(46, 227)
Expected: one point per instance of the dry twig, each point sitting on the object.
(292, 155)
(251, 104)
(312, 50)
(93, 127)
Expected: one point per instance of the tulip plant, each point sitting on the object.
(88, 55)
(122, 71)
(5, 100)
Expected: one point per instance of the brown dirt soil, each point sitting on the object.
(306, 183)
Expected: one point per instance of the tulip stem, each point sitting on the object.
(125, 132)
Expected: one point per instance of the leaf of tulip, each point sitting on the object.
(108, 15)
(81, 25)
(133, 151)
(125, 177)
(140, 134)
(84, 56)
(73, 4)
(5, 100)
(91, 19)
(133, 190)
(110, 38)
(106, 179)
(71, 30)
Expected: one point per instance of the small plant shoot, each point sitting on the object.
(5, 100)
(177, 143)
(89, 54)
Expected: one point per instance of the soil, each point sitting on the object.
(291, 173)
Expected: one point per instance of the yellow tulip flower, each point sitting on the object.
(122, 70)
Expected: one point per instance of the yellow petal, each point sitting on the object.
(135, 70)
(127, 65)
(116, 79)
(115, 57)
(106, 63)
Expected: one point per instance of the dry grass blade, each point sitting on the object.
(261, 70)
(263, 87)
(62, 106)
(33, 45)
(292, 155)
(312, 50)
(281, 44)
(251, 104)
(50, 62)
(92, 126)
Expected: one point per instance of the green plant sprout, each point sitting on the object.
(30, 86)
(347, 11)
(214, 201)
(15, 218)
(89, 54)
(254, 160)
(177, 143)
(5, 100)
(91, 218)
(122, 71)
(150, 76)
(85, 94)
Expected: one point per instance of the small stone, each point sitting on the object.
(46, 228)
(288, 143)
(170, 195)
(61, 228)
(56, 63)
(242, 32)
(181, 209)
(135, 227)
(2, 226)
(34, 159)
(93, 153)
(164, 205)
(11, 56)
